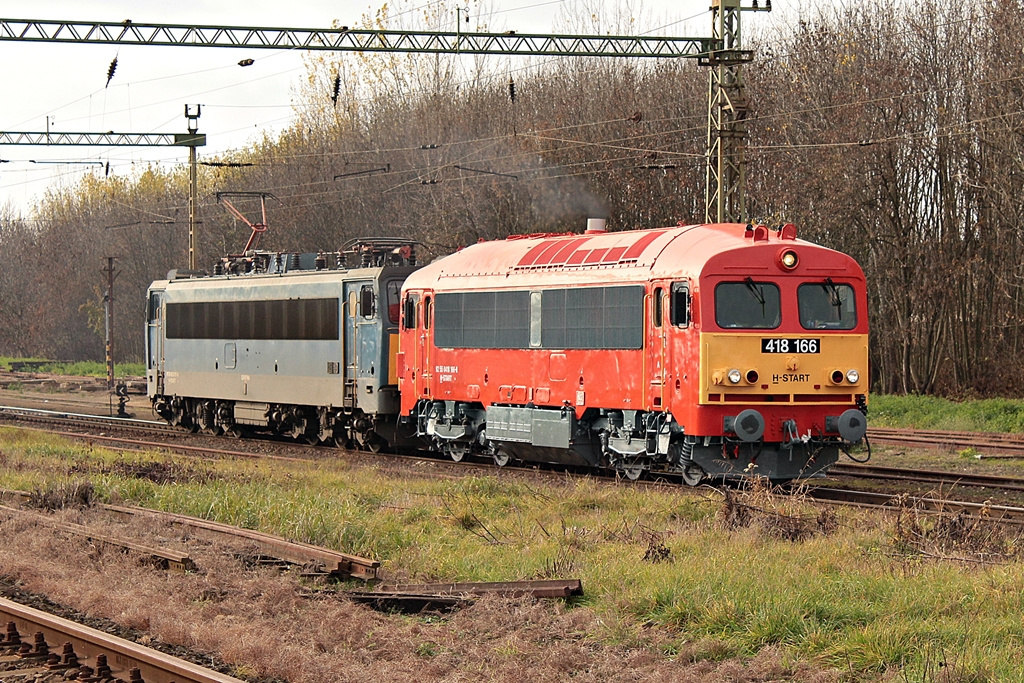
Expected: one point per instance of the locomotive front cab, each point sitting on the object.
(783, 364)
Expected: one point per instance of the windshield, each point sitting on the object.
(394, 290)
(827, 305)
(747, 304)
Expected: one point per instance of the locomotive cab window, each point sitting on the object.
(657, 306)
(748, 305)
(680, 306)
(409, 311)
(154, 307)
(426, 313)
(827, 305)
(366, 301)
(394, 290)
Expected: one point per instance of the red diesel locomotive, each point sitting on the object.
(708, 350)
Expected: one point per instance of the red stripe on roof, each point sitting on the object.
(613, 255)
(554, 246)
(577, 257)
(638, 247)
(564, 253)
(532, 255)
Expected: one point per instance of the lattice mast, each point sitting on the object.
(725, 190)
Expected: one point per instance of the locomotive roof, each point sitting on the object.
(630, 255)
(253, 281)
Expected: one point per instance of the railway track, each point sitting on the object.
(315, 559)
(302, 450)
(35, 644)
(69, 419)
(993, 442)
(927, 476)
(1004, 443)
(1004, 514)
(1007, 443)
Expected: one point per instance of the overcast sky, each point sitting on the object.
(63, 86)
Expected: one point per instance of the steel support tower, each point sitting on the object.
(725, 190)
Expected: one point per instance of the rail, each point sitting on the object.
(928, 476)
(41, 415)
(159, 557)
(319, 559)
(323, 559)
(1004, 514)
(55, 644)
(996, 442)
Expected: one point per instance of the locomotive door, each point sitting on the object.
(423, 347)
(656, 349)
(155, 342)
(362, 343)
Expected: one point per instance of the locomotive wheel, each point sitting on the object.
(190, 415)
(369, 441)
(455, 451)
(502, 457)
(202, 418)
(693, 475)
(298, 431)
(633, 471)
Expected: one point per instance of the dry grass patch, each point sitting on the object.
(955, 536)
(62, 496)
(266, 625)
(774, 513)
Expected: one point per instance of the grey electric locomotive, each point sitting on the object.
(298, 344)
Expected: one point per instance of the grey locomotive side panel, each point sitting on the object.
(296, 371)
(275, 371)
(537, 426)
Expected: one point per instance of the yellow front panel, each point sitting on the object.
(787, 369)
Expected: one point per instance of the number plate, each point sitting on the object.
(790, 345)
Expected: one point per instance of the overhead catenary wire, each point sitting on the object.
(418, 178)
(761, 118)
(569, 144)
(763, 148)
(949, 23)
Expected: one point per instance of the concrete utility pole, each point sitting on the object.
(108, 306)
(193, 126)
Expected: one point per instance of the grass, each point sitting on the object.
(930, 412)
(855, 594)
(79, 368)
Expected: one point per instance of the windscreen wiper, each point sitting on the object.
(833, 294)
(756, 292)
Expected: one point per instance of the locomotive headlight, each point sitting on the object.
(788, 259)
(734, 376)
(852, 376)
